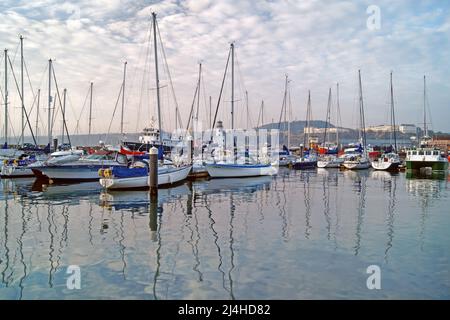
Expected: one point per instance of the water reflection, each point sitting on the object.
(224, 238)
(426, 189)
(389, 181)
(359, 184)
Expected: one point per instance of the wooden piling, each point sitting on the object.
(153, 174)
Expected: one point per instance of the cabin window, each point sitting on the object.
(428, 153)
(414, 153)
(420, 153)
(436, 153)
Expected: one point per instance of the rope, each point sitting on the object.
(168, 73)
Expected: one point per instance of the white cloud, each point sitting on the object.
(317, 43)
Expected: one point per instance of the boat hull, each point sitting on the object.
(236, 170)
(335, 163)
(434, 165)
(165, 178)
(356, 165)
(302, 165)
(385, 165)
(73, 173)
(16, 172)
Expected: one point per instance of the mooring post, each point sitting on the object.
(153, 174)
(191, 146)
(153, 223)
(55, 144)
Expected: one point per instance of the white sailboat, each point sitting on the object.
(359, 161)
(231, 170)
(166, 175)
(248, 167)
(389, 161)
(137, 175)
(332, 160)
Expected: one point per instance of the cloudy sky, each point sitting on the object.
(317, 43)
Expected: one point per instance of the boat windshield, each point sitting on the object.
(98, 157)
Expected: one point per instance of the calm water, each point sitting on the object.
(299, 235)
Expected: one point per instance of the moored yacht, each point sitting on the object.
(83, 169)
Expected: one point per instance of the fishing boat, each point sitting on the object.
(359, 161)
(150, 137)
(425, 157)
(391, 160)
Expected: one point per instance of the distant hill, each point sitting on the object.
(297, 126)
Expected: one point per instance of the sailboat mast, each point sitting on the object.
(262, 112)
(210, 110)
(327, 118)
(246, 106)
(22, 91)
(285, 106)
(361, 110)
(306, 136)
(424, 108)
(90, 114)
(63, 115)
(157, 77)
(232, 86)
(49, 116)
(123, 96)
(393, 116)
(289, 120)
(6, 96)
(37, 114)
(198, 91)
(338, 116)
